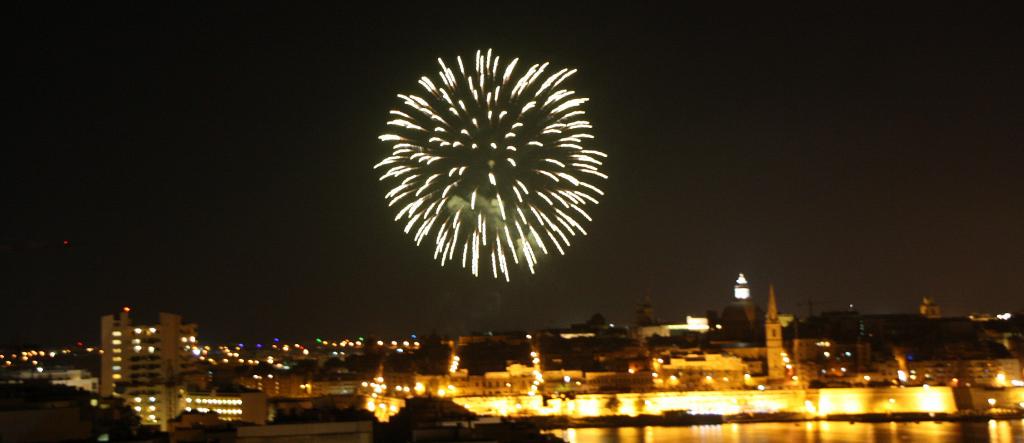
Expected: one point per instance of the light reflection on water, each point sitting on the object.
(1004, 431)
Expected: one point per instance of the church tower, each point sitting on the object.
(773, 341)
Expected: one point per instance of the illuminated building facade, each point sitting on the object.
(144, 363)
(994, 373)
(746, 331)
(516, 380)
(810, 403)
(741, 291)
(246, 407)
(698, 372)
(828, 360)
(696, 325)
(280, 384)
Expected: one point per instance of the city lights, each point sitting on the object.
(659, 383)
(725, 223)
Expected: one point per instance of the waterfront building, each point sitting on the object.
(756, 336)
(991, 372)
(775, 355)
(698, 371)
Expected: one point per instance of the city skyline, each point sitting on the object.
(739, 363)
(740, 292)
(217, 165)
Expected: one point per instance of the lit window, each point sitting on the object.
(116, 333)
(116, 341)
(117, 376)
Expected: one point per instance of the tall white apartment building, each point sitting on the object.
(143, 364)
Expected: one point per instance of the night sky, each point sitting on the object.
(216, 162)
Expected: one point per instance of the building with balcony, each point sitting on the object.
(235, 405)
(145, 363)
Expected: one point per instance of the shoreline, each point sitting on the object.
(550, 423)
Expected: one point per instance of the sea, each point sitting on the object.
(993, 431)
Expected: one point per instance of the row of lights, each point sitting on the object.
(137, 331)
(538, 376)
(39, 354)
(31, 356)
(217, 410)
(395, 343)
(214, 401)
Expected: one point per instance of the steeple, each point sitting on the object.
(775, 354)
(773, 311)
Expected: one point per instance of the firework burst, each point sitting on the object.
(492, 164)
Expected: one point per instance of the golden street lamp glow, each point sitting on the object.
(1001, 379)
(493, 163)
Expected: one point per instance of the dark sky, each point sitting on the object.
(216, 162)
